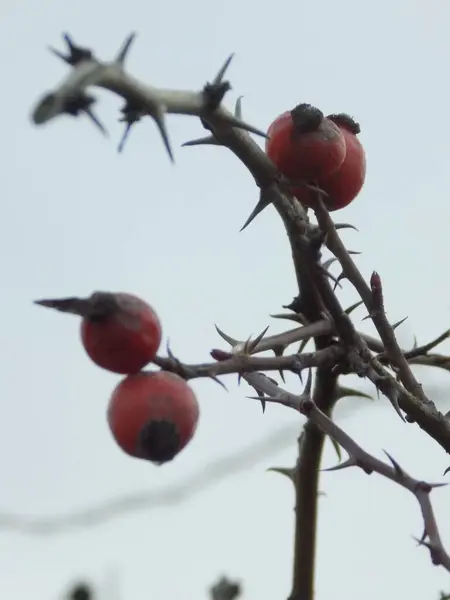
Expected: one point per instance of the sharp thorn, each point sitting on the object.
(276, 399)
(246, 349)
(298, 318)
(170, 354)
(264, 201)
(238, 108)
(58, 54)
(252, 344)
(338, 226)
(123, 52)
(159, 118)
(302, 346)
(346, 392)
(219, 77)
(217, 380)
(232, 120)
(424, 536)
(209, 140)
(96, 121)
(437, 485)
(327, 264)
(125, 135)
(395, 325)
(337, 448)
(422, 541)
(330, 276)
(308, 386)
(351, 308)
(67, 38)
(75, 53)
(397, 467)
(279, 351)
(226, 337)
(394, 402)
(289, 473)
(339, 278)
(350, 462)
(262, 399)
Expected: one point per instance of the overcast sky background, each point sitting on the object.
(78, 217)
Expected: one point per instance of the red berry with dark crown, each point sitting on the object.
(119, 331)
(153, 416)
(343, 185)
(305, 145)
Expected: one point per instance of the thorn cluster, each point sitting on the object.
(87, 71)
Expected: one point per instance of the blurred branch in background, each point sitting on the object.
(204, 478)
(172, 495)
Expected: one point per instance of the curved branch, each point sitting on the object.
(358, 457)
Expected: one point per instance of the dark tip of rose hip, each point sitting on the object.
(346, 121)
(306, 118)
(101, 305)
(159, 441)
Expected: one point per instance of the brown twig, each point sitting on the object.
(419, 350)
(393, 350)
(412, 399)
(243, 363)
(432, 360)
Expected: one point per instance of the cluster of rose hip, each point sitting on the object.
(153, 415)
(319, 153)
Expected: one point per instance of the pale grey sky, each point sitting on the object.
(79, 217)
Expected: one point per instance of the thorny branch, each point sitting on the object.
(71, 97)
(228, 363)
(358, 457)
(372, 297)
(339, 347)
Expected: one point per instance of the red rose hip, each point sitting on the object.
(119, 331)
(345, 184)
(305, 145)
(153, 416)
